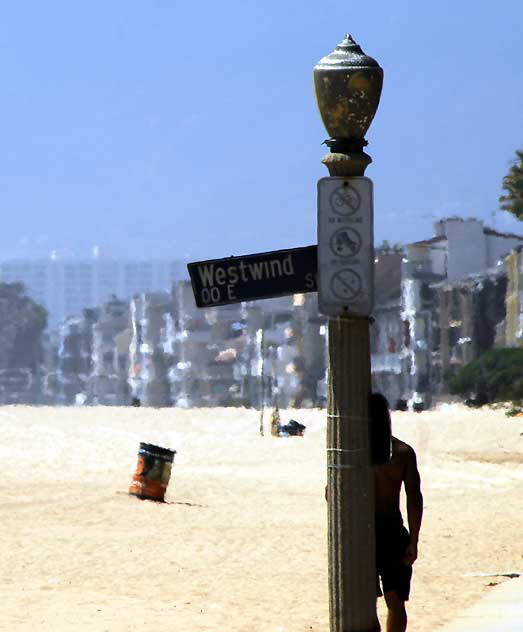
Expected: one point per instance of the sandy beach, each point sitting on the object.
(240, 544)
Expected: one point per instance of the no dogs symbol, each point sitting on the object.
(346, 284)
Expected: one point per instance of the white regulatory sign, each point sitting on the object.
(345, 246)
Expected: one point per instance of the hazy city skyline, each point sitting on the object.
(167, 130)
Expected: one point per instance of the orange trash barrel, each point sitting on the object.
(152, 472)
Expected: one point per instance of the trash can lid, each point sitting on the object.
(155, 450)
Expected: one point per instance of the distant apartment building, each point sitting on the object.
(67, 286)
(150, 349)
(267, 352)
(439, 307)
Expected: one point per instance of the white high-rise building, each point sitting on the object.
(67, 286)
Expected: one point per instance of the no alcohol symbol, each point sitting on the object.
(345, 200)
(346, 284)
(345, 242)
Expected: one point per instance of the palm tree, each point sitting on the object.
(513, 185)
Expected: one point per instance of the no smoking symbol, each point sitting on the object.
(345, 242)
(346, 284)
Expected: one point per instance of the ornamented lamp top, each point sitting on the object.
(348, 86)
(347, 53)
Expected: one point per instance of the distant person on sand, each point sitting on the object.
(396, 548)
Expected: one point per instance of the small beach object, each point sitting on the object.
(292, 429)
(152, 473)
(275, 422)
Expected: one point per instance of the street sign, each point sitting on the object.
(251, 277)
(345, 246)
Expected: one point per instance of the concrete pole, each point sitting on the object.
(350, 480)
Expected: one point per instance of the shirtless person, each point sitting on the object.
(396, 548)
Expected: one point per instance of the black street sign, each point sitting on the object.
(251, 277)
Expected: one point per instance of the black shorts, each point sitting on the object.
(392, 540)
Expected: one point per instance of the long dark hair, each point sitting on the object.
(379, 429)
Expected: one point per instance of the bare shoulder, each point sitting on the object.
(407, 458)
(403, 451)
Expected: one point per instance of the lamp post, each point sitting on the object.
(348, 87)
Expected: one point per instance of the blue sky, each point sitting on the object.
(158, 128)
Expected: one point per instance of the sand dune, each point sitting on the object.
(241, 543)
